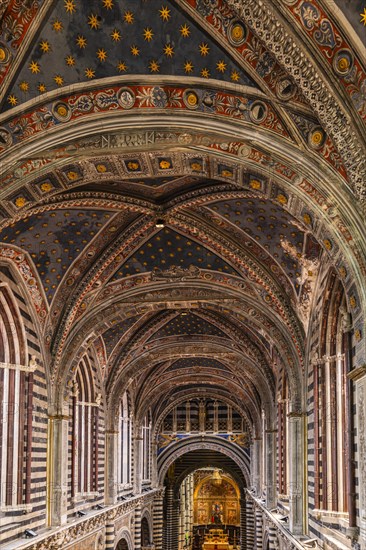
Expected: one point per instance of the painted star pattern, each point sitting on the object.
(157, 40)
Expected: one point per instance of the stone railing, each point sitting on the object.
(96, 520)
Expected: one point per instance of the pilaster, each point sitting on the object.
(111, 443)
(57, 470)
(296, 471)
(271, 468)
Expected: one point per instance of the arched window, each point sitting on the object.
(146, 448)
(124, 451)
(330, 403)
(15, 425)
(282, 405)
(85, 426)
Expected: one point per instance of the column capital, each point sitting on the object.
(357, 373)
(58, 417)
(296, 414)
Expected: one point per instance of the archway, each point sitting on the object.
(145, 533)
(122, 545)
(184, 479)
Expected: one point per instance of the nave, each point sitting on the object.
(182, 274)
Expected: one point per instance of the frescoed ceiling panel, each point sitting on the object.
(112, 336)
(188, 324)
(194, 362)
(168, 249)
(355, 12)
(54, 240)
(110, 38)
(270, 225)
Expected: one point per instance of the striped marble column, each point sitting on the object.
(243, 526)
(109, 536)
(272, 537)
(258, 529)
(175, 525)
(250, 525)
(158, 522)
(137, 539)
(167, 538)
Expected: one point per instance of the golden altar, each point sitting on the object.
(216, 540)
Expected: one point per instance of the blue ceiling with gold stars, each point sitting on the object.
(84, 40)
(166, 249)
(54, 240)
(269, 224)
(194, 362)
(355, 12)
(114, 334)
(188, 324)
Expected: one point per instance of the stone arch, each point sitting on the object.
(146, 529)
(168, 457)
(124, 541)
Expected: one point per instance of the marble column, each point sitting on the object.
(168, 531)
(109, 536)
(137, 537)
(358, 376)
(158, 521)
(255, 463)
(137, 485)
(296, 471)
(111, 457)
(57, 470)
(272, 537)
(258, 529)
(271, 468)
(250, 526)
(243, 525)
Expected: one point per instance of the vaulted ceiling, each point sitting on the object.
(174, 175)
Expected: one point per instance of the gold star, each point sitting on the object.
(235, 76)
(70, 6)
(70, 60)
(188, 66)
(184, 30)
(122, 67)
(221, 66)
(24, 86)
(12, 100)
(93, 21)
(205, 73)
(164, 13)
(108, 4)
(42, 88)
(34, 67)
(204, 49)
(363, 17)
(58, 79)
(81, 41)
(148, 34)
(168, 50)
(89, 73)
(128, 17)
(57, 25)
(101, 54)
(45, 46)
(134, 50)
(116, 35)
(154, 66)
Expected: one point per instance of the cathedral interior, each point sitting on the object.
(182, 274)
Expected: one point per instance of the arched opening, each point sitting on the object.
(204, 502)
(122, 545)
(145, 533)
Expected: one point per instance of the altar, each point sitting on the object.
(216, 540)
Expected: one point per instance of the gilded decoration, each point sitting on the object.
(216, 503)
